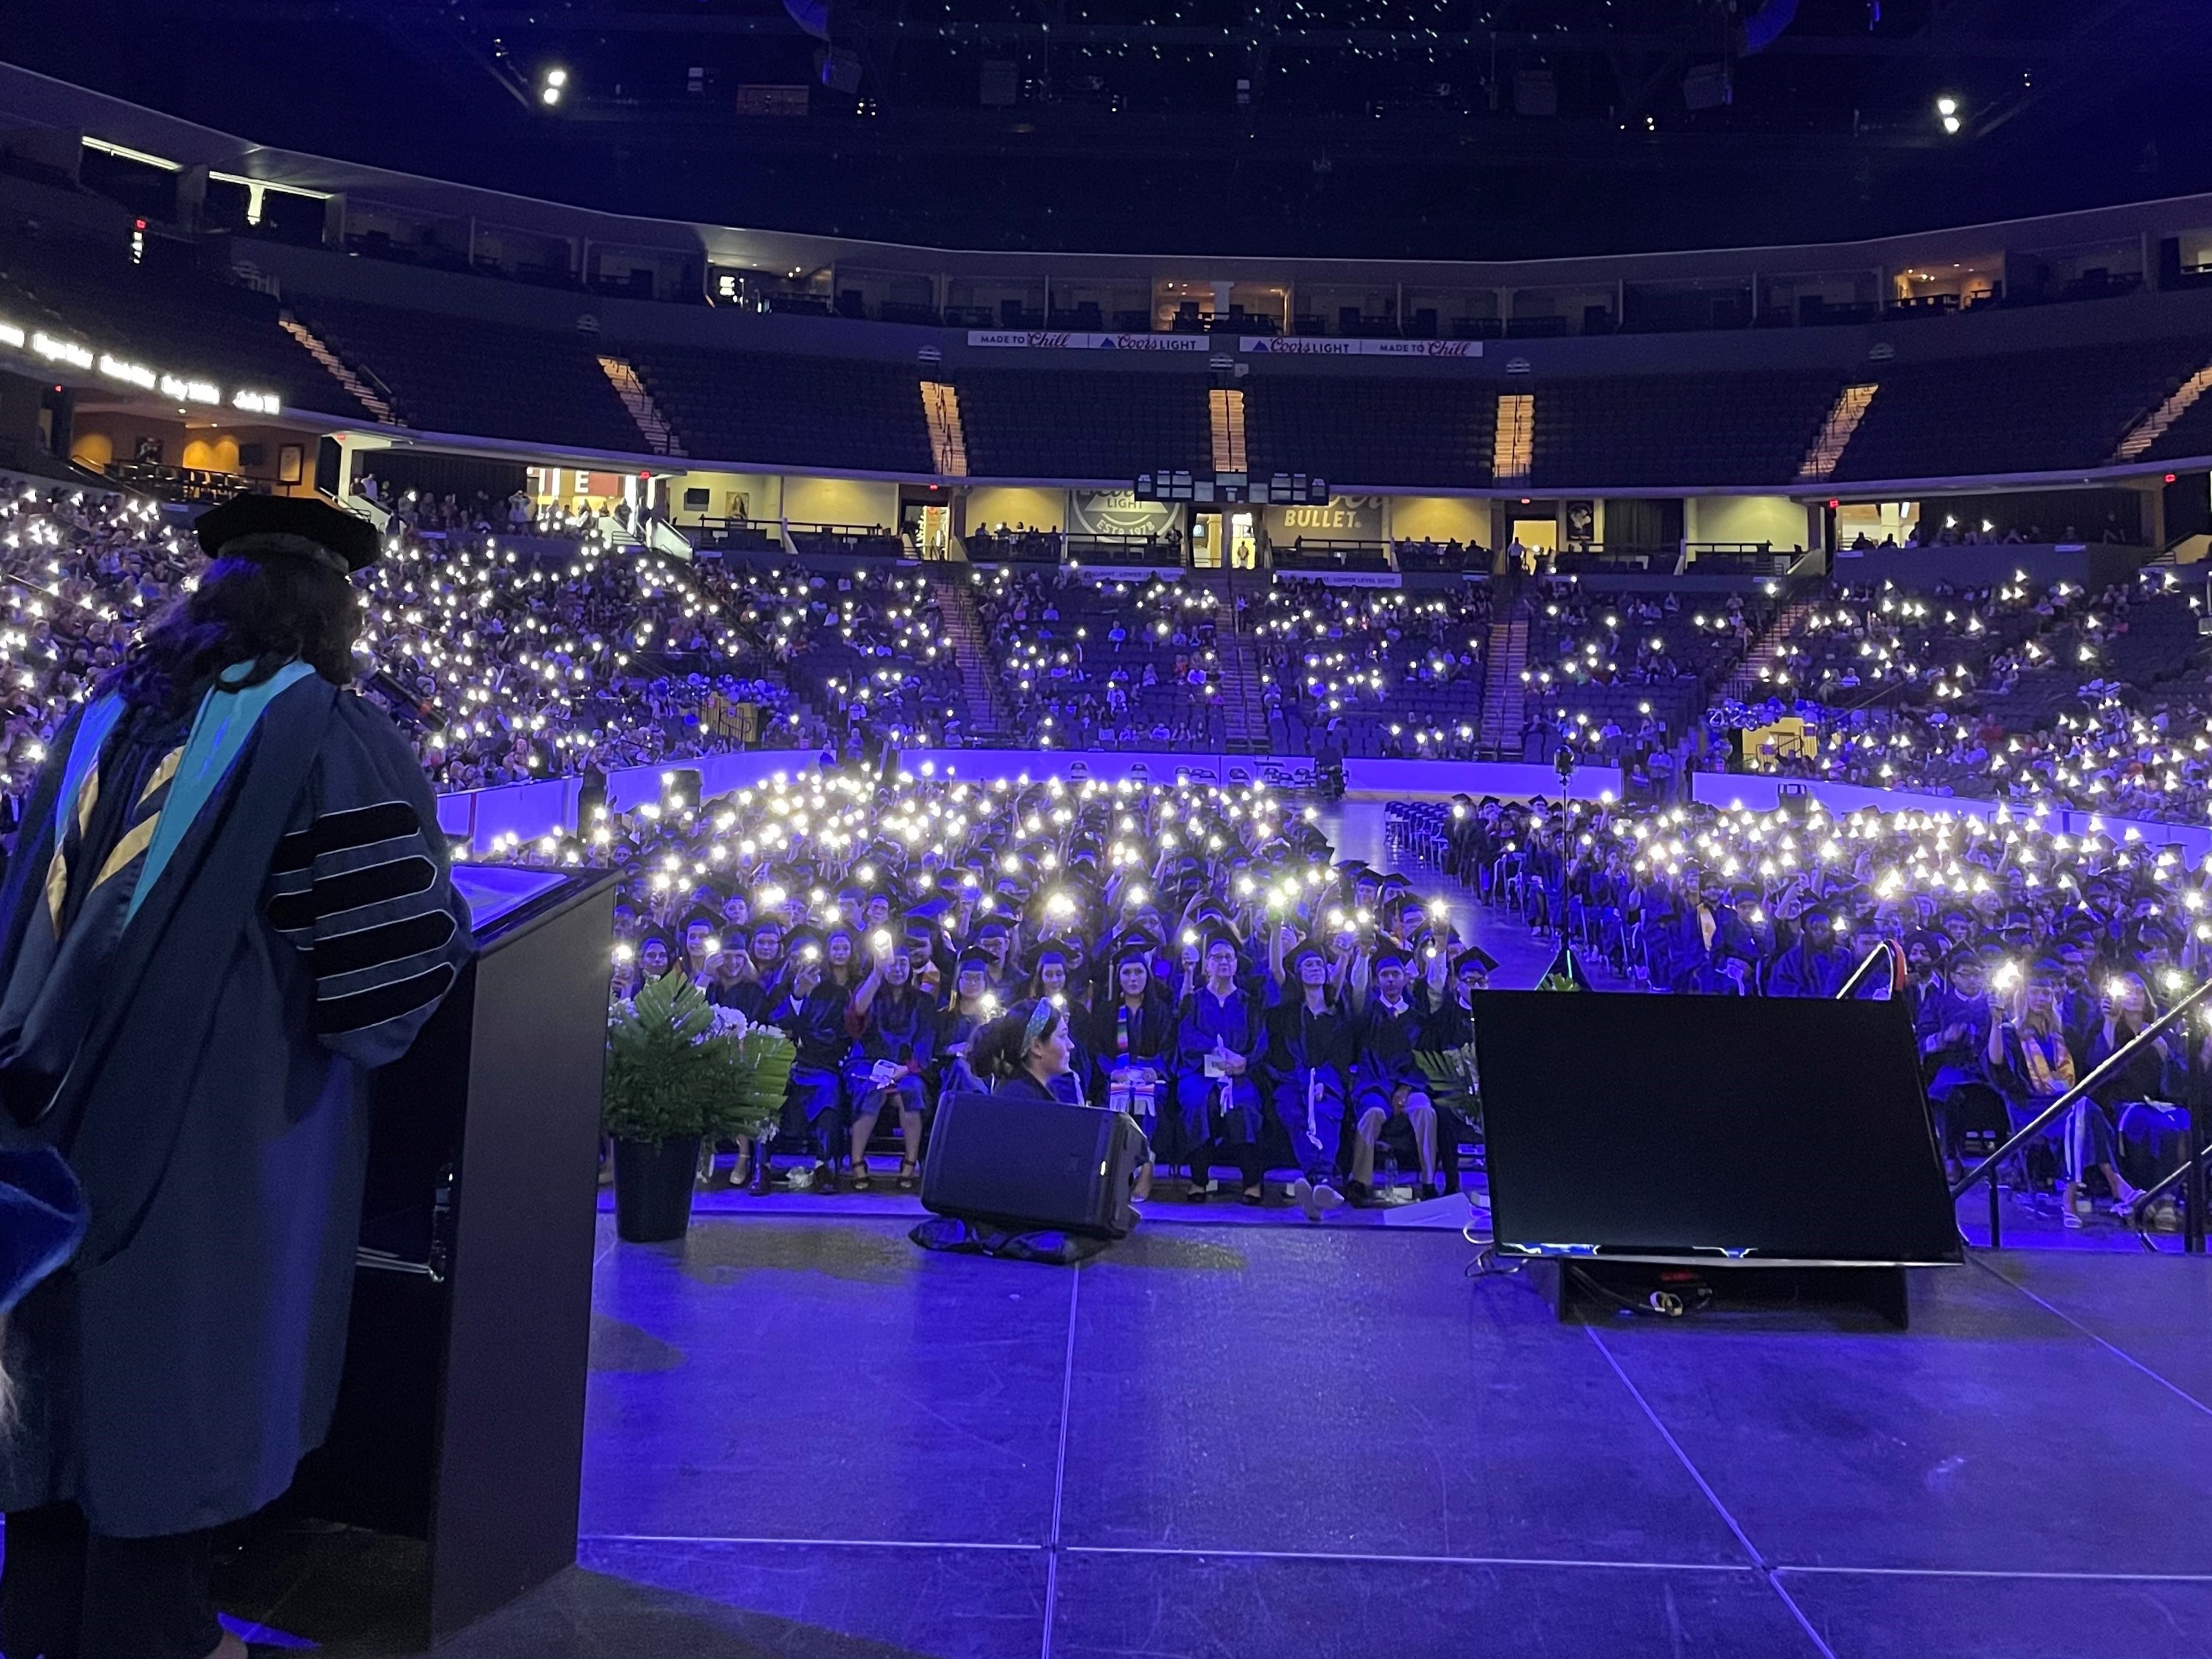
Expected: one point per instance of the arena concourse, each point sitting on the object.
(1228, 669)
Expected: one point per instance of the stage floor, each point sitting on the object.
(808, 1437)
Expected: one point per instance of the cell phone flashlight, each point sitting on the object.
(811, 953)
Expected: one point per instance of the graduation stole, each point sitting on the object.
(192, 774)
(2050, 1067)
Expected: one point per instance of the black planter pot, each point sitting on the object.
(653, 1187)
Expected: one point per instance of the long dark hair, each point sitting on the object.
(268, 611)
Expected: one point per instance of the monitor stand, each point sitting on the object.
(1603, 1286)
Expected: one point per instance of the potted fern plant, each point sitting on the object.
(679, 1069)
(662, 1076)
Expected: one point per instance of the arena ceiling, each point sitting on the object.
(1415, 128)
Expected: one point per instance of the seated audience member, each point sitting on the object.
(1130, 1043)
(973, 1004)
(1022, 1052)
(1815, 965)
(1451, 1025)
(1953, 1027)
(1311, 1045)
(813, 1014)
(893, 1031)
(2033, 1066)
(1217, 1096)
(1050, 978)
(1391, 1102)
(2139, 1120)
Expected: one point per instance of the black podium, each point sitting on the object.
(460, 1416)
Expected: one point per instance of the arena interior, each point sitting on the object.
(1223, 536)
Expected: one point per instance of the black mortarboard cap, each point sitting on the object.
(351, 538)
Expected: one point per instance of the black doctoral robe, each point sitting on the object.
(271, 915)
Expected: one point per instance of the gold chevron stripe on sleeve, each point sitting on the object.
(57, 889)
(136, 841)
(161, 774)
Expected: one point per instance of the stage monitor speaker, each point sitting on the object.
(1032, 1164)
(1754, 1130)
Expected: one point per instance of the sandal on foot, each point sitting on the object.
(862, 1177)
(909, 1171)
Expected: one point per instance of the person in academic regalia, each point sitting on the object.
(893, 1031)
(1391, 1099)
(1450, 1025)
(230, 900)
(1312, 1040)
(813, 1015)
(1218, 1037)
(1129, 1043)
(1048, 978)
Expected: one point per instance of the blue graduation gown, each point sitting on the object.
(298, 928)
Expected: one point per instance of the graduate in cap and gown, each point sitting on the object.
(1130, 1043)
(1312, 1040)
(1391, 1097)
(1216, 1094)
(230, 900)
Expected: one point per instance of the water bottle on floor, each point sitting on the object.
(1389, 1181)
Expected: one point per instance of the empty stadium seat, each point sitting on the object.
(487, 379)
(1042, 423)
(2021, 412)
(1412, 433)
(755, 409)
(1656, 430)
(169, 313)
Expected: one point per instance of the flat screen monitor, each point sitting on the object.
(1696, 1128)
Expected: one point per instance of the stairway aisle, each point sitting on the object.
(989, 715)
(1753, 677)
(1243, 704)
(644, 413)
(369, 397)
(1504, 694)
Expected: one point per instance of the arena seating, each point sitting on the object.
(489, 380)
(1039, 423)
(169, 313)
(2019, 412)
(1370, 433)
(1865, 640)
(755, 409)
(1585, 634)
(1677, 429)
(1632, 658)
(1066, 673)
(1394, 674)
(2188, 437)
(874, 644)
